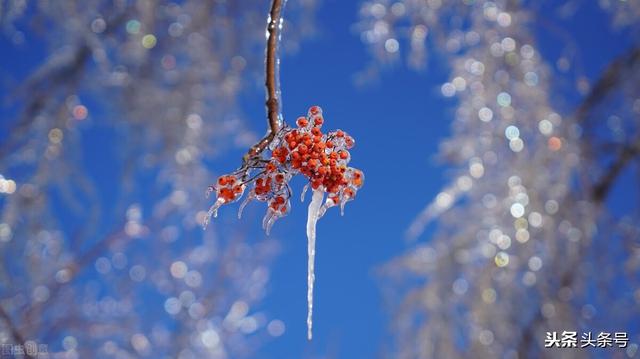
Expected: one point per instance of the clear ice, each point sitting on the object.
(312, 219)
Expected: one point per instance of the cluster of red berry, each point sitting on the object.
(305, 149)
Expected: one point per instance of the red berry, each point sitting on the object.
(302, 122)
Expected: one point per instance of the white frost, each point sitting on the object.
(312, 219)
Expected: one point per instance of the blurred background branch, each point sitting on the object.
(108, 131)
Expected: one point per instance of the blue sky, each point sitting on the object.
(396, 154)
(397, 123)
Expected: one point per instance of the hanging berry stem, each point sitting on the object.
(322, 158)
(271, 81)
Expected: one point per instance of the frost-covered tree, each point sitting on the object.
(107, 126)
(524, 240)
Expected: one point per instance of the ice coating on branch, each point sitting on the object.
(244, 203)
(228, 189)
(443, 202)
(213, 211)
(321, 158)
(312, 219)
(304, 191)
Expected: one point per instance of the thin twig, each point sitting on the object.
(273, 106)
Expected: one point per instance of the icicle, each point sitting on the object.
(213, 212)
(209, 190)
(312, 219)
(327, 204)
(267, 220)
(342, 204)
(304, 191)
(244, 203)
(270, 223)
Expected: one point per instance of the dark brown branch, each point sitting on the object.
(607, 82)
(271, 81)
(602, 187)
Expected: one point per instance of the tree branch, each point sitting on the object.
(611, 76)
(271, 81)
(602, 187)
(15, 333)
(607, 82)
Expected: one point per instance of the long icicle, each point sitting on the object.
(312, 219)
